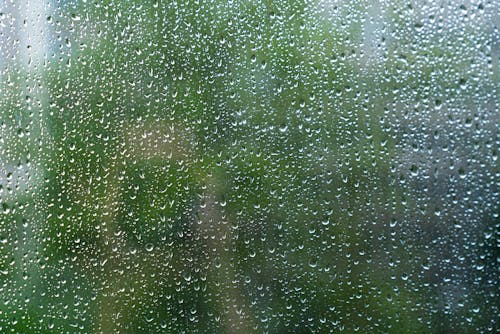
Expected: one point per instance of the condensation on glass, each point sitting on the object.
(249, 166)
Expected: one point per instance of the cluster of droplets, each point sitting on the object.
(248, 167)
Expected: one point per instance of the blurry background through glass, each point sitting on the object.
(249, 166)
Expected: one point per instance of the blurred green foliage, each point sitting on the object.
(221, 167)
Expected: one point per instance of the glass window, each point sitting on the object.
(249, 166)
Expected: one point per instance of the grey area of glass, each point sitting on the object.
(249, 166)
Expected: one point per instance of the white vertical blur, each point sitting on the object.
(23, 59)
